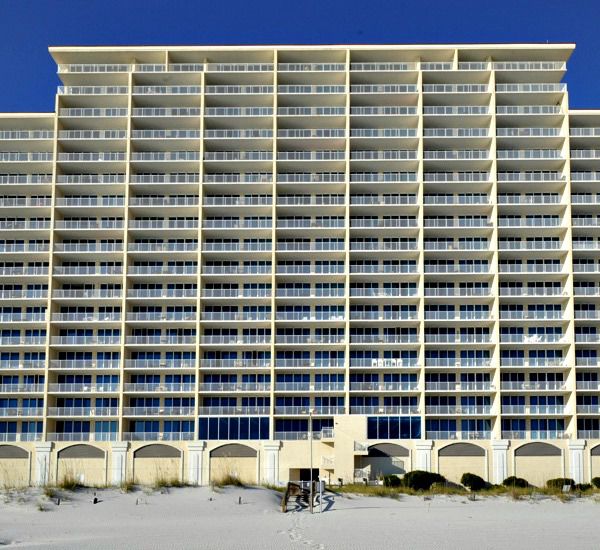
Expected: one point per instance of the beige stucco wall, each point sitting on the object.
(453, 467)
(243, 468)
(148, 471)
(293, 455)
(14, 472)
(595, 465)
(90, 472)
(538, 469)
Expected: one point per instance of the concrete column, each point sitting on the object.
(119, 462)
(499, 461)
(576, 447)
(423, 461)
(42, 463)
(195, 460)
(271, 462)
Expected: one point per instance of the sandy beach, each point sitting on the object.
(201, 518)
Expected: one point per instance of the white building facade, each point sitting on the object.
(211, 255)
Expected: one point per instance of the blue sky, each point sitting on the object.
(28, 27)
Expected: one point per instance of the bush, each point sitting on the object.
(596, 482)
(560, 482)
(473, 482)
(391, 481)
(419, 480)
(583, 487)
(513, 481)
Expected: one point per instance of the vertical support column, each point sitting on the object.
(198, 359)
(50, 270)
(42, 463)
(273, 249)
(423, 459)
(421, 251)
(499, 461)
(347, 130)
(120, 426)
(496, 427)
(118, 462)
(576, 447)
(195, 462)
(568, 291)
(271, 462)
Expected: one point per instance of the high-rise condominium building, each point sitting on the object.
(215, 259)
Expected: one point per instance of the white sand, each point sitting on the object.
(186, 518)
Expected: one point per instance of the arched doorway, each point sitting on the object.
(537, 462)
(233, 461)
(384, 459)
(157, 464)
(81, 464)
(14, 466)
(457, 459)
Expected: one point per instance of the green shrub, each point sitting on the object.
(513, 481)
(583, 487)
(419, 480)
(596, 482)
(391, 481)
(473, 482)
(559, 482)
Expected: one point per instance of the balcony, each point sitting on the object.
(83, 388)
(86, 317)
(534, 386)
(160, 387)
(385, 409)
(158, 411)
(17, 412)
(235, 363)
(92, 90)
(76, 364)
(93, 112)
(305, 411)
(535, 435)
(23, 437)
(235, 387)
(91, 293)
(85, 340)
(237, 90)
(28, 364)
(158, 436)
(458, 386)
(239, 155)
(23, 340)
(161, 340)
(83, 411)
(21, 388)
(82, 436)
(459, 410)
(189, 364)
(233, 339)
(384, 386)
(383, 67)
(533, 409)
(22, 317)
(233, 411)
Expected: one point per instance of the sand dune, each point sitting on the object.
(199, 518)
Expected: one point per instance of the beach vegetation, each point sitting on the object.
(420, 480)
(560, 482)
(473, 481)
(513, 481)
